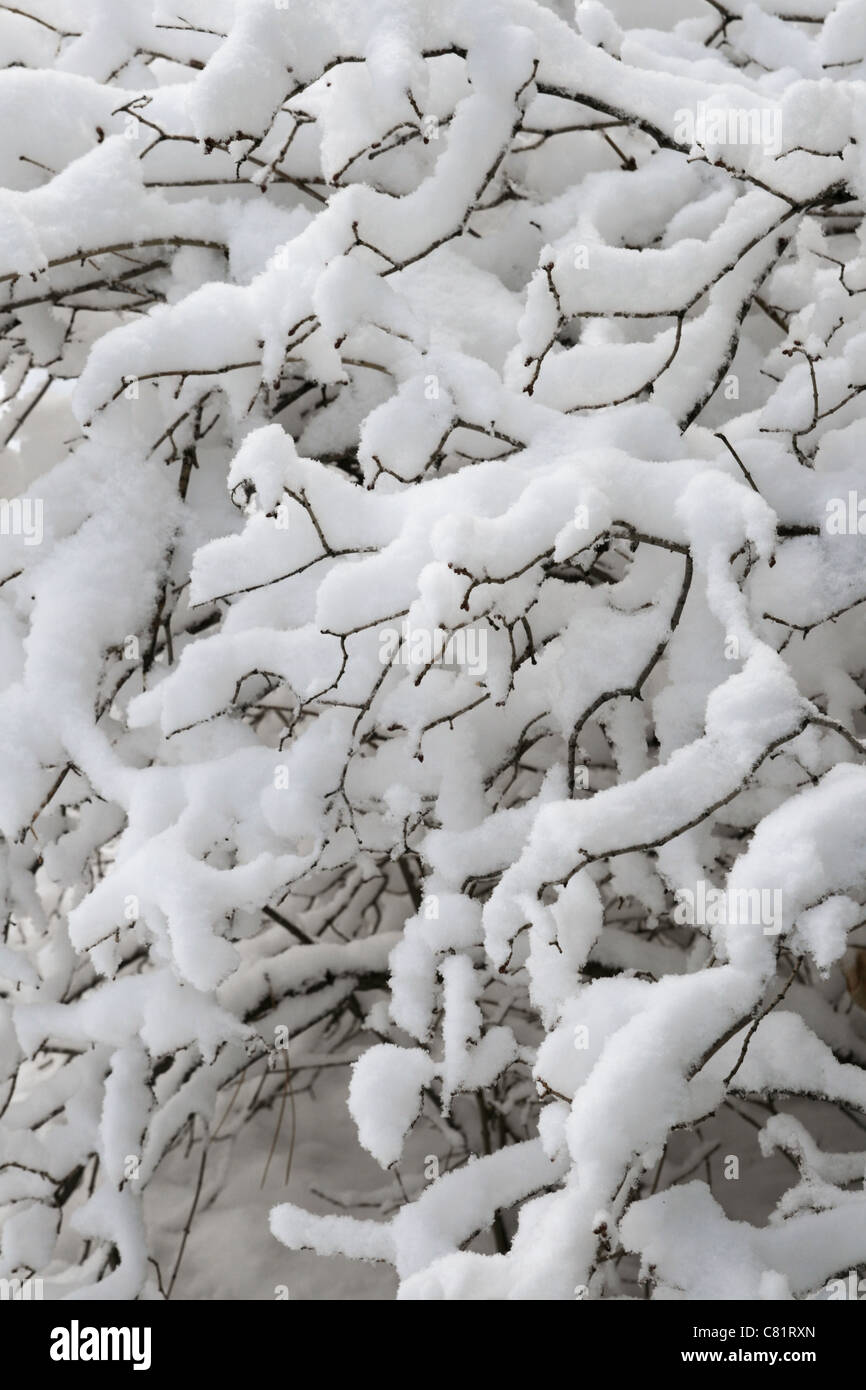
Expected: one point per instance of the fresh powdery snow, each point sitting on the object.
(433, 649)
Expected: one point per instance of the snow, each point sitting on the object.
(432, 421)
(385, 1097)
